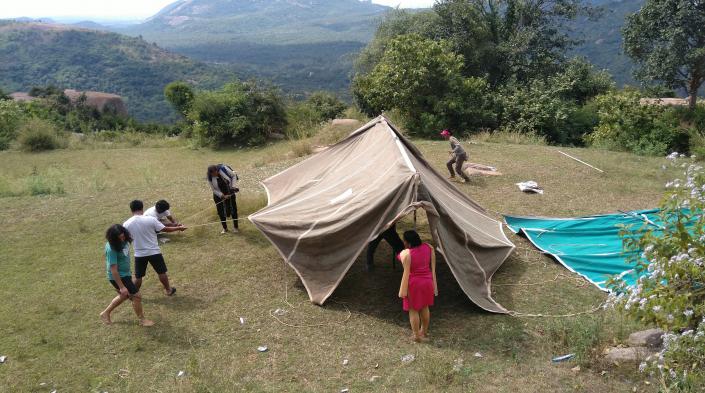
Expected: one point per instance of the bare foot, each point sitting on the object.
(105, 318)
(414, 338)
(146, 322)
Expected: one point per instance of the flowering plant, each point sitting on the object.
(671, 292)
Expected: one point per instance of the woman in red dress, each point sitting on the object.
(418, 284)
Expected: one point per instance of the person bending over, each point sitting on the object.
(117, 265)
(161, 211)
(457, 156)
(223, 182)
(392, 237)
(144, 230)
(418, 283)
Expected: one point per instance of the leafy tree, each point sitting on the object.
(326, 105)
(11, 115)
(240, 113)
(180, 95)
(667, 39)
(3, 96)
(422, 79)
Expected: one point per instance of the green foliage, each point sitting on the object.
(39, 135)
(422, 79)
(671, 295)
(180, 95)
(43, 55)
(666, 38)
(11, 116)
(3, 96)
(240, 113)
(625, 124)
(326, 105)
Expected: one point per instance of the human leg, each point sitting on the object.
(371, 248)
(159, 266)
(105, 315)
(137, 306)
(425, 314)
(449, 165)
(415, 324)
(221, 211)
(459, 167)
(140, 270)
(233, 211)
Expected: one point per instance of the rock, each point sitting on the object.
(346, 362)
(3, 359)
(627, 355)
(478, 355)
(575, 369)
(263, 348)
(408, 358)
(652, 338)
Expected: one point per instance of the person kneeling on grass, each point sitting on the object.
(144, 230)
(117, 263)
(161, 212)
(418, 283)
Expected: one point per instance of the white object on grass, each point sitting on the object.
(3, 359)
(181, 374)
(530, 186)
(263, 348)
(408, 358)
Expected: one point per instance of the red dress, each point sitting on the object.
(420, 293)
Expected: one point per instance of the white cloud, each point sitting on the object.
(108, 9)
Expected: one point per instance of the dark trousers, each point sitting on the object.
(226, 209)
(392, 237)
(458, 161)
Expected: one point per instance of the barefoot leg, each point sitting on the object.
(105, 315)
(425, 314)
(415, 325)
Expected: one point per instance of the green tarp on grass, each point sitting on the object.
(590, 246)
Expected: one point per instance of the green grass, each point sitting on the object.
(53, 285)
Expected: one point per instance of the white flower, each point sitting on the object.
(642, 367)
(688, 313)
(656, 308)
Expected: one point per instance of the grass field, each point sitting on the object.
(55, 207)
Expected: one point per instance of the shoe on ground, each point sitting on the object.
(236, 230)
(224, 231)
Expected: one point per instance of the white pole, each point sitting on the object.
(581, 161)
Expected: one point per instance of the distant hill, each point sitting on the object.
(39, 54)
(303, 45)
(602, 39)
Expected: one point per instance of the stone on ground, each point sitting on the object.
(627, 355)
(652, 338)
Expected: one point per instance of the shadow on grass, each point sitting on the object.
(456, 322)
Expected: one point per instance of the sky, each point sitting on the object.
(122, 9)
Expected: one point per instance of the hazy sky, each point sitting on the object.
(109, 9)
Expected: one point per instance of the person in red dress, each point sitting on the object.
(418, 284)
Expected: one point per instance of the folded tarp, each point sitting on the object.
(590, 246)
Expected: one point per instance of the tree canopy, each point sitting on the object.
(667, 39)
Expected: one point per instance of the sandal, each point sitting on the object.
(172, 292)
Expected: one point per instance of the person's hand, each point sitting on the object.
(226, 196)
(124, 292)
(182, 228)
(435, 292)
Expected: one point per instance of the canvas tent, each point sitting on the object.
(322, 212)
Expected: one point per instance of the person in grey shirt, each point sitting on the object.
(458, 156)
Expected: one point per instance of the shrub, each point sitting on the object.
(422, 79)
(10, 118)
(180, 95)
(39, 135)
(326, 105)
(243, 114)
(625, 124)
(671, 294)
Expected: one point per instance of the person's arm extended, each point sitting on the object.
(180, 228)
(118, 280)
(433, 270)
(406, 262)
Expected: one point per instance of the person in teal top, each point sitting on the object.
(117, 266)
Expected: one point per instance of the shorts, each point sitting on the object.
(127, 282)
(156, 260)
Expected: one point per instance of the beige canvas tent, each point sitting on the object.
(323, 211)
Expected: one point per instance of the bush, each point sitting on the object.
(243, 114)
(625, 124)
(326, 105)
(10, 118)
(671, 294)
(39, 135)
(422, 79)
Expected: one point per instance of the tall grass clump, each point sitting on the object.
(511, 137)
(37, 135)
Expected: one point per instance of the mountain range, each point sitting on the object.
(300, 45)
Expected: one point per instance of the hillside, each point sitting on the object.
(602, 39)
(37, 54)
(301, 45)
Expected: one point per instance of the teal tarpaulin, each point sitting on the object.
(590, 246)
